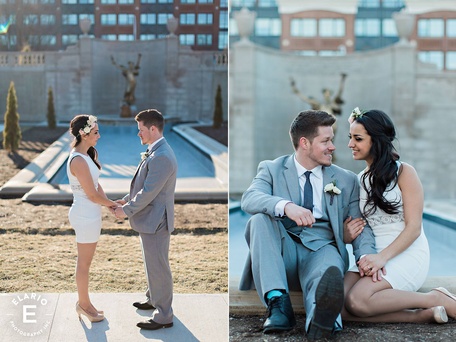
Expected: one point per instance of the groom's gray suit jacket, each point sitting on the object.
(277, 180)
(152, 191)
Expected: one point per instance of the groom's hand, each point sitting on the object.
(302, 216)
(119, 212)
(352, 228)
(121, 201)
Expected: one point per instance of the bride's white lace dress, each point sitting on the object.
(84, 215)
(408, 270)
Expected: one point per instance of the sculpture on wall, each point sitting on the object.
(331, 105)
(129, 72)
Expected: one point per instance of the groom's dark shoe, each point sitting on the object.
(143, 305)
(329, 299)
(152, 325)
(280, 315)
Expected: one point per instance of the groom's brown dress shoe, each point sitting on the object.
(329, 299)
(143, 305)
(152, 325)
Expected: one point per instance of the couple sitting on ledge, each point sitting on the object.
(305, 210)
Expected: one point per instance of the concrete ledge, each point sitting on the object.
(248, 302)
(216, 151)
(39, 169)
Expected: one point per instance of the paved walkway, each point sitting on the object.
(51, 317)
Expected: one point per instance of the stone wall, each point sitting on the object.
(420, 99)
(176, 80)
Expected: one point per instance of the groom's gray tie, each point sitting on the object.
(308, 192)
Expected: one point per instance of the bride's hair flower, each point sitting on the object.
(91, 121)
(355, 114)
(332, 190)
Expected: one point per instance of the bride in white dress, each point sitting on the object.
(382, 287)
(83, 170)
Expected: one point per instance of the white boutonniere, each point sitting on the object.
(332, 190)
(144, 155)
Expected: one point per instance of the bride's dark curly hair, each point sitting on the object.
(383, 172)
(78, 123)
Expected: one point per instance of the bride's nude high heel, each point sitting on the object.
(451, 313)
(440, 315)
(80, 311)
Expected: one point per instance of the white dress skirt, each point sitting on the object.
(84, 215)
(409, 269)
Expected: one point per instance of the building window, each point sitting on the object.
(205, 1)
(268, 27)
(367, 27)
(187, 19)
(108, 2)
(451, 28)
(69, 19)
(187, 39)
(204, 18)
(327, 53)
(91, 17)
(392, 3)
(303, 27)
(30, 1)
(34, 40)
(223, 40)
(48, 40)
(242, 3)
(148, 37)
(430, 28)
(148, 19)
(86, 2)
(267, 3)
(108, 19)
(223, 20)
(165, 1)
(47, 1)
(126, 19)
(331, 27)
(451, 60)
(163, 18)
(434, 57)
(148, 1)
(204, 39)
(109, 37)
(369, 3)
(31, 19)
(69, 1)
(307, 53)
(233, 28)
(47, 19)
(389, 28)
(188, 1)
(223, 3)
(123, 2)
(126, 37)
(69, 39)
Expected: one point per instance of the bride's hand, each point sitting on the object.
(352, 228)
(370, 264)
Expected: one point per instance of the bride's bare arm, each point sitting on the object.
(80, 169)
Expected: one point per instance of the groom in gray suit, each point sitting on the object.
(296, 237)
(150, 209)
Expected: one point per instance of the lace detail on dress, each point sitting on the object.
(76, 187)
(377, 220)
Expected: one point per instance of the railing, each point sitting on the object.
(220, 58)
(22, 58)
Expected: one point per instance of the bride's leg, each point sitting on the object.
(86, 252)
(378, 302)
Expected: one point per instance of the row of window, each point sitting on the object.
(439, 58)
(70, 39)
(126, 19)
(223, 3)
(329, 27)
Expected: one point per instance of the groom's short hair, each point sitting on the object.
(306, 125)
(151, 117)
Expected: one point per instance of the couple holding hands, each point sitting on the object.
(305, 210)
(149, 207)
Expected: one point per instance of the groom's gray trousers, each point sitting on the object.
(278, 262)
